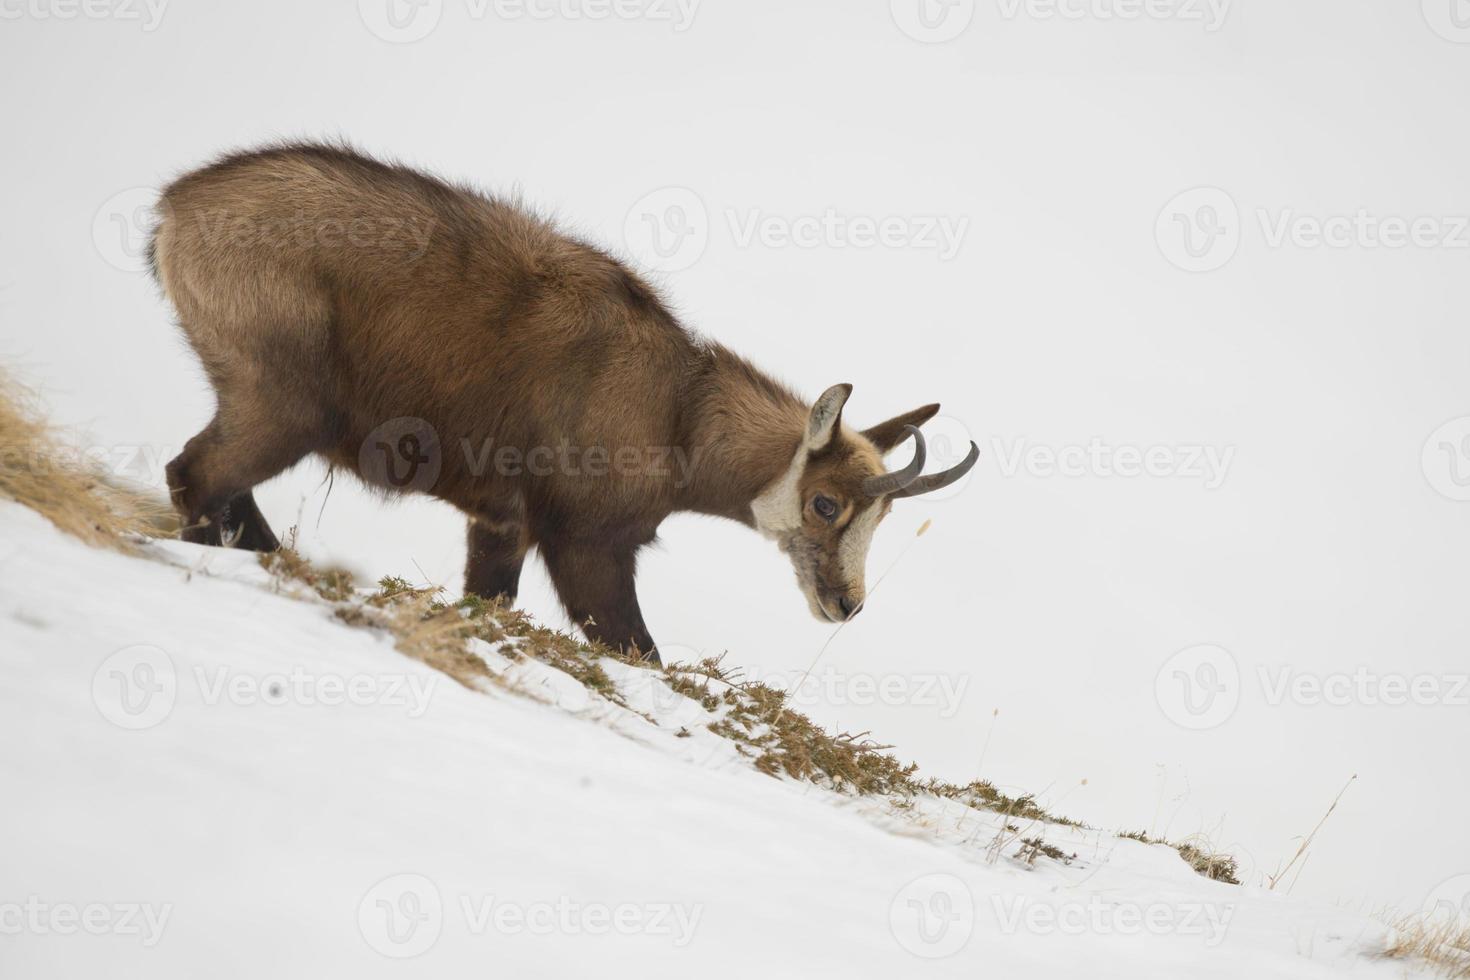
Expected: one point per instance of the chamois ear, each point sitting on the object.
(886, 435)
(826, 416)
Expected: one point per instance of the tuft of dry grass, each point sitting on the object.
(288, 564)
(1199, 853)
(1035, 847)
(38, 470)
(982, 795)
(755, 717)
(1441, 944)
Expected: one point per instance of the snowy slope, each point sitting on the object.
(203, 776)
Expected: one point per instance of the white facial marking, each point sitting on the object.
(777, 510)
(852, 550)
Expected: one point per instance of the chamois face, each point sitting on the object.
(819, 512)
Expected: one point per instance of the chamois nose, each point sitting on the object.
(848, 607)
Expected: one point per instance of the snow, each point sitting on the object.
(206, 776)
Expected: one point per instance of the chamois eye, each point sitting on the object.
(824, 506)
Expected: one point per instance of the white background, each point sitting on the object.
(1333, 542)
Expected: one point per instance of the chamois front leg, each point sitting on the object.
(496, 553)
(595, 583)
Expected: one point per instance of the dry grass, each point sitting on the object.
(1200, 853)
(756, 718)
(1302, 851)
(1440, 944)
(982, 795)
(1035, 847)
(38, 470)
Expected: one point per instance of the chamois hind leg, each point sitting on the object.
(210, 480)
(497, 550)
(595, 583)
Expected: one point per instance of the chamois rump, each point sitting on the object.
(433, 339)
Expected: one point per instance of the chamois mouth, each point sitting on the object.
(818, 608)
(822, 612)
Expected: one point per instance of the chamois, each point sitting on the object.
(433, 339)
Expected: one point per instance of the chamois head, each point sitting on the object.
(823, 510)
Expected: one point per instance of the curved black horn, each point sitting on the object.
(938, 481)
(878, 486)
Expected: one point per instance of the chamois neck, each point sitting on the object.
(743, 428)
